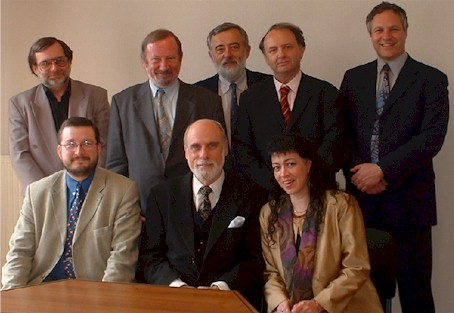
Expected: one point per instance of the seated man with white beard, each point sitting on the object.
(203, 228)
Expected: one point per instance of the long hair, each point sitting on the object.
(319, 181)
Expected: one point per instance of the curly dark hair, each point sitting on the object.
(319, 181)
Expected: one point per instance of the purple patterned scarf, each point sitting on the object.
(298, 269)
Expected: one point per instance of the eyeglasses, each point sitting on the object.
(72, 146)
(47, 64)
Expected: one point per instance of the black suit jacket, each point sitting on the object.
(412, 130)
(212, 83)
(315, 115)
(133, 147)
(232, 255)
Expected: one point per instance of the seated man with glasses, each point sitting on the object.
(79, 223)
(35, 115)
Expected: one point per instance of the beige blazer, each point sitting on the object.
(341, 280)
(105, 241)
(32, 135)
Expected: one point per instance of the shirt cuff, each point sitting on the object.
(222, 285)
(177, 283)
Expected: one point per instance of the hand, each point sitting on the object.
(368, 178)
(283, 307)
(306, 306)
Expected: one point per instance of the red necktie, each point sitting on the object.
(285, 107)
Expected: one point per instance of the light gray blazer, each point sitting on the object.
(105, 241)
(32, 135)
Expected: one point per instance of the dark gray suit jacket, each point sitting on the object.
(133, 148)
(413, 126)
(233, 254)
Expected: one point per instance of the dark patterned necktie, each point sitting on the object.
(380, 103)
(68, 265)
(204, 208)
(165, 129)
(285, 107)
(233, 105)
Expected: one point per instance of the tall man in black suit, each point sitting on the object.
(311, 109)
(396, 189)
(199, 242)
(228, 48)
(134, 146)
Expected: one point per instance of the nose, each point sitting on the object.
(203, 152)
(283, 171)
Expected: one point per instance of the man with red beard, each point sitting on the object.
(205, 239)
(79, 223)
(35, 115)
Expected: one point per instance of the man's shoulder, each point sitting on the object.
(196, 90)
(28, 94)
(254, 77)
(44, 183)
(423, 68)
(208, 82)
(114, 178)
(131, 91)
(86, 86)
(362, 68)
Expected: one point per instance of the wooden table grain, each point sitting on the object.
(88, 296)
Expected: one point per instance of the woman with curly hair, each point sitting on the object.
(313, 238)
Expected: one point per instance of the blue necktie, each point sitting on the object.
(68, 265)
(233, 106)
(381, 100)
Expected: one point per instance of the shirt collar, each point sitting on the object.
(241, 83)
(168, 89)
(216, 187)
(293, 84)
(395, 65)
(71, 183)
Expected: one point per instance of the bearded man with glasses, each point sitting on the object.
(35, 115)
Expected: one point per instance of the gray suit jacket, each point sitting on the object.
(105, 240)
(32, 134)
(133, 146)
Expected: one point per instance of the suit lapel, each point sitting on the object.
(59, 205)
(184, 111)
(143, 105)
(270, 98)
(92, 201)
(43, 113)
(303, 96)
(368, 86)
(181, 212)
(226, 211)
(78, 104)
(405, 80)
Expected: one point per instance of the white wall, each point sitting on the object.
(106, 35)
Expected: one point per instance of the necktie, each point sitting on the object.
(205, 205)
(68, 264)
(233, 105)
(381, 100)
(165, 129)
(285, 107)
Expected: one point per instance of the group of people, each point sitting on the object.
(229, 183)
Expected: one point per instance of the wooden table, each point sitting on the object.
(87, 296)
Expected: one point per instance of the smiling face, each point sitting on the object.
(229, 53)
(283, 54)
(162, 61)
(81, 162)
(205, 147)
(291, 171)
(388, 35)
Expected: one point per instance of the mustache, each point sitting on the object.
(202, 163)
(78, 158)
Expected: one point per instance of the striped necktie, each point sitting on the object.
(285, 107)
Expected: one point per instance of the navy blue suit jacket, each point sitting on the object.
(412, 130)
(212, 82)
(315, 116)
